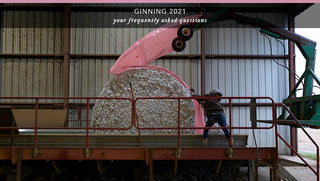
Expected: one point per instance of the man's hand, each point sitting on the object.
(192, 91)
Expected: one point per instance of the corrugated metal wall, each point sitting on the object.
(235, 77)
(248, 77)
(100, 40)
(22, 35)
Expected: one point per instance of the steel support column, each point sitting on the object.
(150, 158)
(252, 170)
(203, 56)
(19, 166)
(275, 166)
(293, 131)
(66, 51)
(16, 159)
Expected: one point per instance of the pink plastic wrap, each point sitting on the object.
(152, 46)
(199, 113)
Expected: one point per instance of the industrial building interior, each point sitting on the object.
(103, 91)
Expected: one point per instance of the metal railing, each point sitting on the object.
(229, 103)
(316, 172)
(36, 108)
(135, 123)
(134, 120)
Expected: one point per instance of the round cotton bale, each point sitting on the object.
(151, 113)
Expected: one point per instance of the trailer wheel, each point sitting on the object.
(185, 33)
(178, 45)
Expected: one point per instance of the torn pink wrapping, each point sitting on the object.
(152, 46)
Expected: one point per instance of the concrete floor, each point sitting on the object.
(304, 143)
(301, 173)
(264, 174)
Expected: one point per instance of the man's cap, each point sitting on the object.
(216, 92)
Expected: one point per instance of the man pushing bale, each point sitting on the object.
(214, 112)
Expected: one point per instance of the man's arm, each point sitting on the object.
(201, 101)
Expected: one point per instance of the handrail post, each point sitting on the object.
(35, 148)
(36, 124)
(292, 149)
(276, 132)
(79, 115)
(318, 173)
(133, 113)
(135, 119)
(179, 123)
(178, 150)
(253, 112)
(230, 123)
(277, 144)
(87, 129)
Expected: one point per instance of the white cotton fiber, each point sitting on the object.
(151, 112)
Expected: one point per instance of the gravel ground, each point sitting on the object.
(304, 143)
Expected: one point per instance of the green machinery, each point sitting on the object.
(306, 108)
